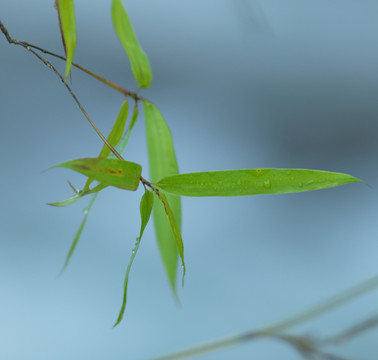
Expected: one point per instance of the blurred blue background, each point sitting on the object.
(242, 84)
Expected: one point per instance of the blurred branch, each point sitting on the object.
(278, 328)
(308, 347)
(353, 331)
(311, 347)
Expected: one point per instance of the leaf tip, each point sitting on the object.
(116, 323)
(62, 270)
(52, 204)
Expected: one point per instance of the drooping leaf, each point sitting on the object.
(78, 233)
(146, 205)
(175, 231)
(119, 173)
(252, 182)
(163, 163)
(138, 59)
(66, 13)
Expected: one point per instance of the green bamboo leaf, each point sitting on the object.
(134, 117)
(125, 138)
(118, 128)
(78, 233)
(78, 196)
(138, 59)
(252, 182)
(66, 202)
(163, 163)
(175, 231)
(120, 148)
(146, 205)
(67, 25)
(115, 135)
(119, 173)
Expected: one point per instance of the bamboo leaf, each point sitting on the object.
(118, 128)
(66, 202)
(175, 231)
(163, 163)
(79, 195)
(115, 135)
(146, 205)
(138, 59)
(120, 148)
(252, 182)
(119, 173)
(125, 138)
(66, 13)
(78, 233)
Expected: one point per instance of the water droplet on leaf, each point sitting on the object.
(267, 184)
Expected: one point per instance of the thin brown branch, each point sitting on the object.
(133, 95)
(49, 65)
(148, 184)
(353, 331)
(113, 85)
(155, 190)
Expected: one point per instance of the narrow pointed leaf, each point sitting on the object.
(175, 231)
(118, 128)
(78, 233)
(146, 205)
(125, 138)
(114, 136)
(163, 163)
(66, 202)
(252, 182)
(67, 25)
(119, 173)
(95, 191)
(78, 196)
(138, 59)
